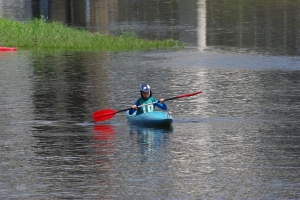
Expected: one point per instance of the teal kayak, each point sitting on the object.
(156, 118)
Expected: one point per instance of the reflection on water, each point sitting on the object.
(254, 26)
(151, 142)
(63, 84)
(243, 127)
(104, 137)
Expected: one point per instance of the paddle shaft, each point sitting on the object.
(172, 98)
(106, 114)
(168, 99)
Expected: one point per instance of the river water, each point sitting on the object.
(239, 139)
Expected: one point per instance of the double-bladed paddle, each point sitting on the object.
(106, 114)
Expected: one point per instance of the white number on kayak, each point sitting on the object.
(148, 108)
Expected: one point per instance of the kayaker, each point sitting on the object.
(146, 98)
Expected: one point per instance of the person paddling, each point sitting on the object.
(146, 98)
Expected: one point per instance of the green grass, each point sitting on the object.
(40, 34)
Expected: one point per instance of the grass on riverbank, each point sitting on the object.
(38, 33)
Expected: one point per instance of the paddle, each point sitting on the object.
(106, 114)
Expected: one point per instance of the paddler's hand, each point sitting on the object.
(162, 100)
(134, 107)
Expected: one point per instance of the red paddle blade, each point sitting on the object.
(189, 95)
(105, 114)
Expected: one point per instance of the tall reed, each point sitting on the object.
(38, 33)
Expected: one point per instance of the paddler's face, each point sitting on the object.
(146, 95)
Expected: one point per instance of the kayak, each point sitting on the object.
(156, 118)
(8, 48)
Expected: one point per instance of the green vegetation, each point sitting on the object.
(38, 33)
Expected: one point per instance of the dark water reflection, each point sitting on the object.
(237, 140)
(64, 84)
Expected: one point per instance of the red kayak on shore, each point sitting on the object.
(8, 48)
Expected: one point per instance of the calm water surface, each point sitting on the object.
(238, 140)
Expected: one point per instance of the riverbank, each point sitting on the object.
(38, 33)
